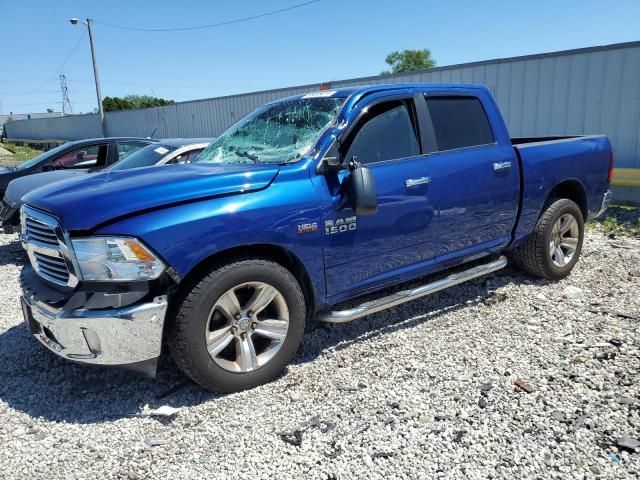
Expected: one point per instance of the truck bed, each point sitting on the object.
(550, 138)
(580, 162)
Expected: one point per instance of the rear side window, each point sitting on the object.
(459, 122)
(186, 157)
(386, 134)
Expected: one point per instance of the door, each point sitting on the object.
(366, 251)
(475, 176)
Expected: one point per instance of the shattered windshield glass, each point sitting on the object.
(275, 133)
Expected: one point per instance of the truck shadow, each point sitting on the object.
(409, 315)
(38, 383)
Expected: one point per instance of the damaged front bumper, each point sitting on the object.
(128, 336)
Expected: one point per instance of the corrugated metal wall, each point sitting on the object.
(199, 118)
(72, 127)
(589, 90)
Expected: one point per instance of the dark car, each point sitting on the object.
(161, 152)
(94, 153)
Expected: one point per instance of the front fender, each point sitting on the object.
(186, 235)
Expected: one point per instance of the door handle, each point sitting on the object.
(416, 182)
(501, 166)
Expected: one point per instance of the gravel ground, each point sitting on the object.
(425, 390)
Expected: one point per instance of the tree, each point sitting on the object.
(409, 61)
(133, 101)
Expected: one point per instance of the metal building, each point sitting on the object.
(582, 91)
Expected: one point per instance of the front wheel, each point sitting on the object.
(554, 246)
(239, 326)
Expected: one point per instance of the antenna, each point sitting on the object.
(66, 103)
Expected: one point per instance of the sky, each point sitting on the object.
(319, 42)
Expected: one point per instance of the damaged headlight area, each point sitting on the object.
(116, 259)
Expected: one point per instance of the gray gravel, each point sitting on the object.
(436, 388)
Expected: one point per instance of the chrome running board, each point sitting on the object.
(373, 306)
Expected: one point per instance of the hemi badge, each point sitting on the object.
(308, 227)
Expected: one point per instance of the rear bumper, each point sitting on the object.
(116, 337)
(606, 201)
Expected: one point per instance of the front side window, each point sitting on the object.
(85, 157)
(43, 158)
(275, 133)
(388, 134)
(459, 122)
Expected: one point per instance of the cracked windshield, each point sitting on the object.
(276, 133)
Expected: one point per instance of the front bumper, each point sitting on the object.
(9, 218)
(124, 336)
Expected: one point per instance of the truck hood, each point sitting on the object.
(86, 202)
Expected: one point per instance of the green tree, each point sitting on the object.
(409, 61)
(130, 102)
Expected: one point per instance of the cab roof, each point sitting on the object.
(347, 92)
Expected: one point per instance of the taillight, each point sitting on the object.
(610, 176)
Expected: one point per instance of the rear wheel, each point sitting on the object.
(554, 246)
(239, 326)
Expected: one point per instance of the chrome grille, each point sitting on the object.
(52, 268)
(44, 242)
(40, 231)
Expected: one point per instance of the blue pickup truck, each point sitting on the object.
(293, 215)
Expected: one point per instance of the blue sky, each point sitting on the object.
(327, 40)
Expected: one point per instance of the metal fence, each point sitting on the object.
(588, 90)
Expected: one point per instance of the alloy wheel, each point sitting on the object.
(247, 327)
(564, 240)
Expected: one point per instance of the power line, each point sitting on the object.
(29, 93)
(213, 25)
(54, 102)
(54, 74)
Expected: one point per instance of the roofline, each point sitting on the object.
(124, 137)
(557, 53)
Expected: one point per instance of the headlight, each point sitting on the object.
(116, 259)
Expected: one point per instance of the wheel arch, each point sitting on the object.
(572, 190)
(263, 251)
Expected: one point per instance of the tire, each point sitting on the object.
(260, 343)
(538, 256)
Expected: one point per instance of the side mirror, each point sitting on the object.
(47, 167)
(363, 189)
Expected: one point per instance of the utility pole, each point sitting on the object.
(88, 22)
(66, 103)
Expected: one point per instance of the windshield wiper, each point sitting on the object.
(248, 155)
